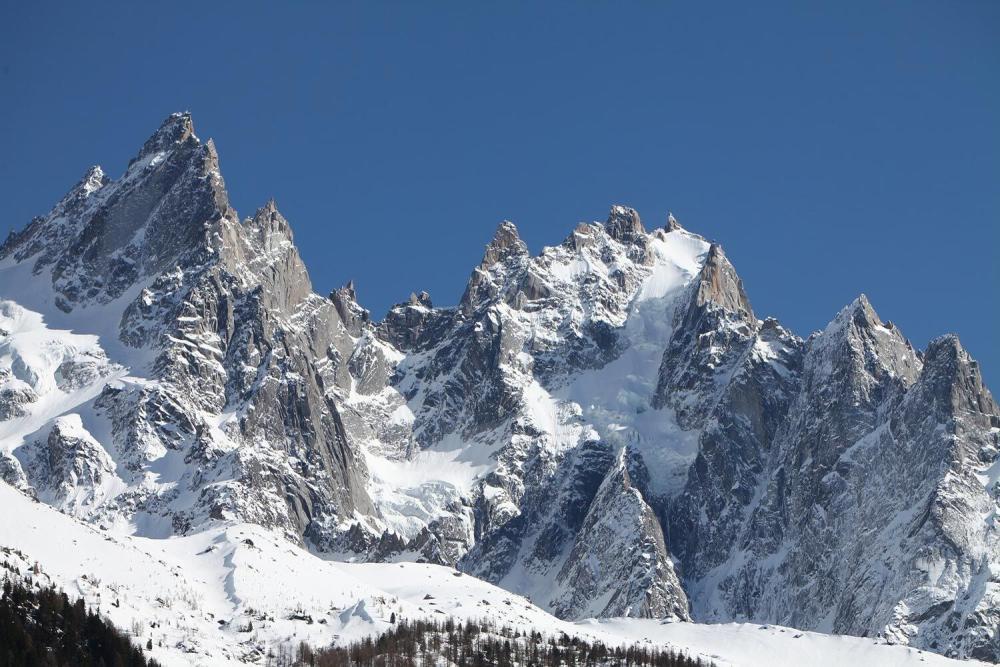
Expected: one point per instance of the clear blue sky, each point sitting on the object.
(831, 149)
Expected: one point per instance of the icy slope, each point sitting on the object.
(226, 595)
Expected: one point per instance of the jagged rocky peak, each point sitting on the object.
(506, 252)
(624, 224)
(177, 128)
(850, 370)
(719, 284)
(269, 212)
(268, 221)
(957, 379)
(39, 236)
(273, 258)
(347, 295)
(860, 312)
(421, 299)
(163, 212)
(348, 291)
(176, 138)
(354, 317)
(882, 351)
(672, 224)
(413, 323)
(581, 237)
(711, 335)
(858, 315)
(506, 243)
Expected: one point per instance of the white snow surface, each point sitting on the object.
(35, 358)
(616, 398)
(197, 596)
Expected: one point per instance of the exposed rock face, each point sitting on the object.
(354, 317)
(70, 469)
(46, 238)
(12, 473)
(715, 330)
(505, 253)
(161, 210)
(226, 335)
(501, 380)
(731, 378)
(619, 565)
(865, 515)
(605, 427)
(623, 224)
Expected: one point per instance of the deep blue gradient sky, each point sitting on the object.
(832, 150)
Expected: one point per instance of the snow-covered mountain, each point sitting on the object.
(605, 428)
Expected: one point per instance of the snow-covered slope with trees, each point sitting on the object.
(234, 594)
(605, 428)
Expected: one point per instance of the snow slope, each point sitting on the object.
(225, 595)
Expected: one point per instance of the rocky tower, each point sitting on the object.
(221, 335)
(605, 427)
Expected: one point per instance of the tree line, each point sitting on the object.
(40, 627)
(428, 643)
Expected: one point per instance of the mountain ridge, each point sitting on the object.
(609, 405)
